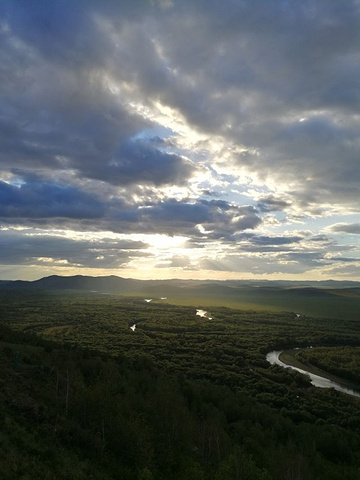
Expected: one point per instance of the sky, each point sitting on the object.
(203, 139)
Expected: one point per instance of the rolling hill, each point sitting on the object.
(328, 299)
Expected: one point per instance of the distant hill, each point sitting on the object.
(108, 284)
(114, 283)
(118, 285)
(328, 298)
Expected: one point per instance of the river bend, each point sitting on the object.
(316, 380)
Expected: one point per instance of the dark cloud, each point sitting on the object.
(270, 203)
(39, 203)
(219, 218)
(345, 271)
(67, 116)
(303, 261)
(247, 65)
(265, 240)
(43, 200)
(320, 238)
(54, 250)
(245, 222)
(346, 259)
(107, 109)
(141, 163)
(353, 228)
(317, 156)
(250, 242)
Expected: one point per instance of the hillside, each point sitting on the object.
(329, 298)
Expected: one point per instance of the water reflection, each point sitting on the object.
(316, 380)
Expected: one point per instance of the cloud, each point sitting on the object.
(251, 242)
(270, 203)
(141, 163)
(109, 63)
(34, 202)
(266, 240)
(43, 200)
(177, 261)
(352, 228)
(32, 248)
(345, 271)
(227, 123)
(219, 219)
(267, 263)
(69, 116)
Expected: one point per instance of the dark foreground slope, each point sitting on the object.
(182, 397)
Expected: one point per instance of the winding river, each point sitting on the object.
(316, 380)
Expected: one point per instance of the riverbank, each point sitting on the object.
(288, 357)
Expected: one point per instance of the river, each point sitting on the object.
(316, 380)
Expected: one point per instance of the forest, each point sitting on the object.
(116, 387)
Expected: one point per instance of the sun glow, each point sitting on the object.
(165, 242)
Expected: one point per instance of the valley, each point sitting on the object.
(190, 384)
